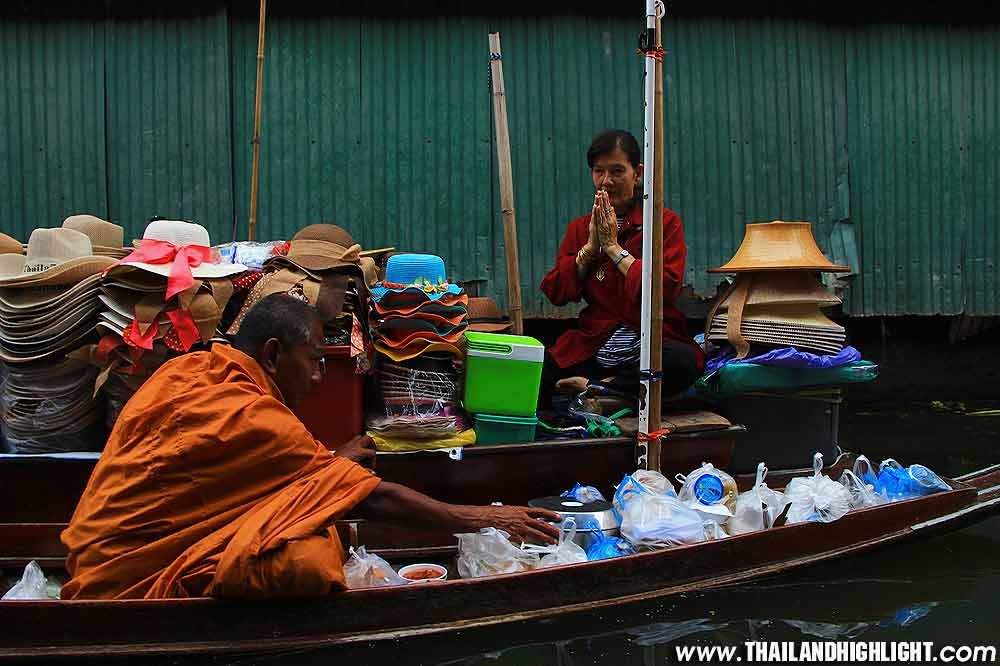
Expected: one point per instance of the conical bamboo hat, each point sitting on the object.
(782, 288)
(779, 246)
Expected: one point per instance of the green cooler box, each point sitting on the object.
(502, 374)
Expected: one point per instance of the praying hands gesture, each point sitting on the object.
(606, 222)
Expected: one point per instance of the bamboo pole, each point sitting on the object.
(506, 186)
(649, 456)
(256, 121)
(655, 394)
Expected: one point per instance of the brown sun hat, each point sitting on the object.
(324, 247)
(779, 246)
(485, 316)
(10, 245)
(106, 238)
(54, 257)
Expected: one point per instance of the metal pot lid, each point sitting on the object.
(598, 511)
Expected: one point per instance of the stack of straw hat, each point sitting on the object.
(48, 308)
(775, 300)
(418, 320)
(162, 299)
(485, 316)
(323, 266)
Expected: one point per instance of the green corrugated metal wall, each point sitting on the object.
(883, 136)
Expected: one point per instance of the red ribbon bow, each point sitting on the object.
(182, 260)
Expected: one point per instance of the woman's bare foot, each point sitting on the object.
(572, 384)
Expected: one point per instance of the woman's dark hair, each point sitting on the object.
(607, 140)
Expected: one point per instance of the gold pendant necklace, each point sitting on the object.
(600, 274)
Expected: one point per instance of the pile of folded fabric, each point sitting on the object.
(165, 298)
(418, 320)
(323, 266)
(48, 309)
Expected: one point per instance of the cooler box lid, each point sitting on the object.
(501, 346)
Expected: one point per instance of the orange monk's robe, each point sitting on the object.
(210, 486)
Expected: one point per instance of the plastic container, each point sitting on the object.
(502, 374)
(500, 429)
(334, 411)
(424, 569)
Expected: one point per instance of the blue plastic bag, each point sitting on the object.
(900, 482)
(606, 547)
(585, 494)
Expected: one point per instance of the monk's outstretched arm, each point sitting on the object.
(394, 503)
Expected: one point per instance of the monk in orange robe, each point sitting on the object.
(210, 486)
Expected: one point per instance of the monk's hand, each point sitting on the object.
(523, 524)
(360, 450)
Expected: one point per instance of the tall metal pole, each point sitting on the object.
(256, 121)
(656, 258)
(506, 186)
(648, 450)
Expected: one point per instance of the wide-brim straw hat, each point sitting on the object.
(10, 245)
(323, 247)
(485, 316)
(781, 288)
(181, 234)
(422, 346)
(54, 257)
(437, 321)
(107, 238)
(30, 302)
(440, 308)
(806, 315)
(779, 246)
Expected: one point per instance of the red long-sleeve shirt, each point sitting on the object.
(617, 298)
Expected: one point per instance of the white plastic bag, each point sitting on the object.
(654, 482)
(709, 491)
(757, 508)
(31, 586)
(817, 497)
(565, 552)
(713, 531)
(364, 569)
(490, 552)
(656, 521)
(862, 494)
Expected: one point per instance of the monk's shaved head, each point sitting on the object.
(279, 316)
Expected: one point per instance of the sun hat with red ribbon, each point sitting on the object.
(179, 251)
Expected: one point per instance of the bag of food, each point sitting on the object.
(657, 521)
(364, 569)
(638, 482)
(584, 494)
(566, 551)
(709, 491)
(489, 552)
(817, 497)
(757, 508)
(31, 586)
(900, 482)
(606, 547)
(713, 530)
(862, 494)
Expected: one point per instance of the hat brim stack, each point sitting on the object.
(775, 300)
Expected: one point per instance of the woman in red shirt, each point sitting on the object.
(600, 262)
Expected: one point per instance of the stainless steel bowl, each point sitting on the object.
(591, 517)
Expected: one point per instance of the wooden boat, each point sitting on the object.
(101, 629)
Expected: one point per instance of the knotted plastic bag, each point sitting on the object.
(757, 508)
(904, 483)
(605, 547)
(709, 491)
(364, 569)
(489, 552)
(638, 482)
(862, 494)
(816, 498)
(655, 519)
(31, 586)
(584, 494)
(565, 552)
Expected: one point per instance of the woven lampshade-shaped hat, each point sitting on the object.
(780, 288)
(779, 246)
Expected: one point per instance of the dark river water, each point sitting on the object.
(945, 589)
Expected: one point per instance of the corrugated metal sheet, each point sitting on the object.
(883, 136)
(52, 159)
(924, 169)
(168, 116)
